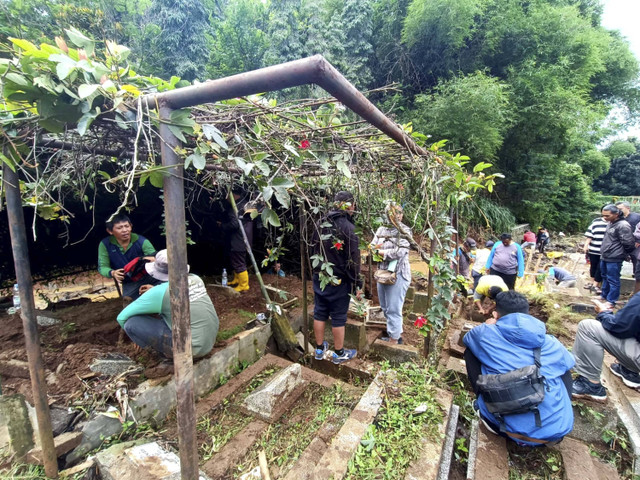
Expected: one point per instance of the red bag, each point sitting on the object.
(134, 270)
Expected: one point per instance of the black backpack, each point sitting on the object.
(514, 392)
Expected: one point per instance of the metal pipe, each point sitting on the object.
(291, 74)
(20, 250)
(179, 294)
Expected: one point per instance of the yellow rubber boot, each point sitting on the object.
(243, 282)
(234, 280)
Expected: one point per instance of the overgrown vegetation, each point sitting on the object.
(409, 414)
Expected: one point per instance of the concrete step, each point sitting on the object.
(580, 465)
(488, 455)
(627, 403)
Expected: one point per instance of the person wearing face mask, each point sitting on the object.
(617, 244)
(506, 260)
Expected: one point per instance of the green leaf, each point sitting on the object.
(342, 167)
(157, 179)
(267, 193)
(246, 167)
(8, 161)
(212, 133)
(80, 40)
(63, 69)
(264, 168)
(291, 148)
(199, 162)
(17, 79)
(282, 182)
(269, 217)
(283, 196)
(177, 131)
(182, 118)
(86, 90)
(23, 44)
(86, 120)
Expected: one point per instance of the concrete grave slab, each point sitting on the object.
(114, 364)
(16, 433)
(139, 461)
(491, 460)
(276, 392)
(63, 443)
(395, 354)
(579, 464)
(334, 462)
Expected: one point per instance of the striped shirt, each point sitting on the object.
(596, 233)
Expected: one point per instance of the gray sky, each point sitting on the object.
(623, 15)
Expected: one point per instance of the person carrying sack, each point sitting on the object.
(393, 252)
(539, 414)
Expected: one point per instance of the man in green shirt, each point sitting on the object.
(142, 324)
(118, 249)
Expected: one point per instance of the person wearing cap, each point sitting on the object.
(506, 260)
(478, 269)
(464, 256)
(488, 286)
(388, 243)
(121, 247)
(563, 277)
(335, 242)
(147, 320)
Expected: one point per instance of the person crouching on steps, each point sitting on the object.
(147, 320)
(507, 342)
(388, 243)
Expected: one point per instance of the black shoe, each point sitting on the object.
(630, 378)
(583, 388)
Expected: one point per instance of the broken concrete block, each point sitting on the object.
(583, 308)
(46, 321)
(135, 461)
(113, 364)
(264, 400)
(63, 444)
(94, 432)
(395, 354)
(420, 302)
(16, 433)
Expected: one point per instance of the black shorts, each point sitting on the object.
(594, 267)
(332, 302)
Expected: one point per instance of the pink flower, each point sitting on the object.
(304, 144)
(420, 322)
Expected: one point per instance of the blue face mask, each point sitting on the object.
(552, 272)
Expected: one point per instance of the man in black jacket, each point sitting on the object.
(617, 244)
(336, 264)
(619, 335)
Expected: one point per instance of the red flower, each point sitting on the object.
(338, 245)
(304, 144)
(420, 322)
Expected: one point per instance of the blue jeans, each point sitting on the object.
(391, 300)
(150, 331)
(610, 272)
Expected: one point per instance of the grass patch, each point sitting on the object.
(228, 333)
(534, 463)
(394, 440)
(18, 471)
(543, 308)
(284, 441)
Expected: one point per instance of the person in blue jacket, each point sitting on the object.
(505, 343)
(506, 260)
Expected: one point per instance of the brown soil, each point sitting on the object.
(88, 330)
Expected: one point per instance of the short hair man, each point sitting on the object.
(488, 286)
(507, 342)
(633, 219)
(118, 249)
(619, 335)
(140, 318)
(506, 260)
(617, 244)
(336, 242)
